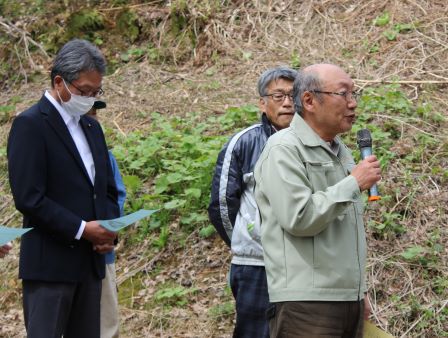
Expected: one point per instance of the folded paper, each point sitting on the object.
(8, 234)
(122, 222)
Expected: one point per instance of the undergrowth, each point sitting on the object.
(169, 166)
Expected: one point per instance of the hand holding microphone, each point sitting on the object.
(368, 171)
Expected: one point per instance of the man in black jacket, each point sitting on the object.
(62, 182)
(233, 210)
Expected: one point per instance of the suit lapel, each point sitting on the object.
(55, 120)
(88, 129)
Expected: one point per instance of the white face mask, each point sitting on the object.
(77, 105)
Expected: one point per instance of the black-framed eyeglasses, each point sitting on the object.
(280, 97)
(349, 95)
(99, 92)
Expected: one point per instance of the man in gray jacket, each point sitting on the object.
(308, 191)
(233, 210)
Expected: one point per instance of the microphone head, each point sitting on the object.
(364, 138)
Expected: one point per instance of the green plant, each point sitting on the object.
(162, 240)
(413, 253)
(174, 296)
(237, 117)
(84, 23)
(246, 56)
(5, 113)
(127, 24)
(132, 54)
(440, 285)
(222, 310)
(389, 225)
(382, 20)
(207, 231)
(404, 27)
(399, 28)
(390, 34)
(388, 98)
(295, 60)
(177, 157)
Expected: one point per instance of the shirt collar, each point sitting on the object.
(65, 116)
(334, 146)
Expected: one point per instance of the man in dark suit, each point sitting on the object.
(62, 183)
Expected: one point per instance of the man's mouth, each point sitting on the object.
(351, 117)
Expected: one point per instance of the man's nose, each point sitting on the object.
(288, 100)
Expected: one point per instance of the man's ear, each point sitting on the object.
(58, 82)
(308, 101)
(262, 105)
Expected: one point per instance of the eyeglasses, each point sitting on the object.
(280, 97)
(99, 92)
(350, 95)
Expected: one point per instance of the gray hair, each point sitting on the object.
(77, 56)
(274, 74)
(305, 81)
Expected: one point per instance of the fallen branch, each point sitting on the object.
(15, 32)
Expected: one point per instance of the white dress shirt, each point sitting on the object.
(81, 143)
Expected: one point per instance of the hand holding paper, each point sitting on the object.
(97, 234)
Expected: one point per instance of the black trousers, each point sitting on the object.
(54, 309)
(317, 319)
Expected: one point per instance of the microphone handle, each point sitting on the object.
(373, 191)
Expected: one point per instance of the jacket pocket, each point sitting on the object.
(321, 174)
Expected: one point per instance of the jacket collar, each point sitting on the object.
(267, 125)
(55, 120)
(307, 135)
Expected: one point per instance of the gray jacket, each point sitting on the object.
(312, 218)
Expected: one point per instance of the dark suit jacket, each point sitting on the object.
(52, 189)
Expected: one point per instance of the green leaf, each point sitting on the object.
(381, 20)
(161, 184)
(193, 217)
(174, 178)
(124, 57)
(132, 183)
(403, 27)
(174, 204)
(193, 192)
(295, 60)
(390, 35)
(413, 252)
(247, 56)
(207, 231)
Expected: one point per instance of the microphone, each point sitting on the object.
(364, 140)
